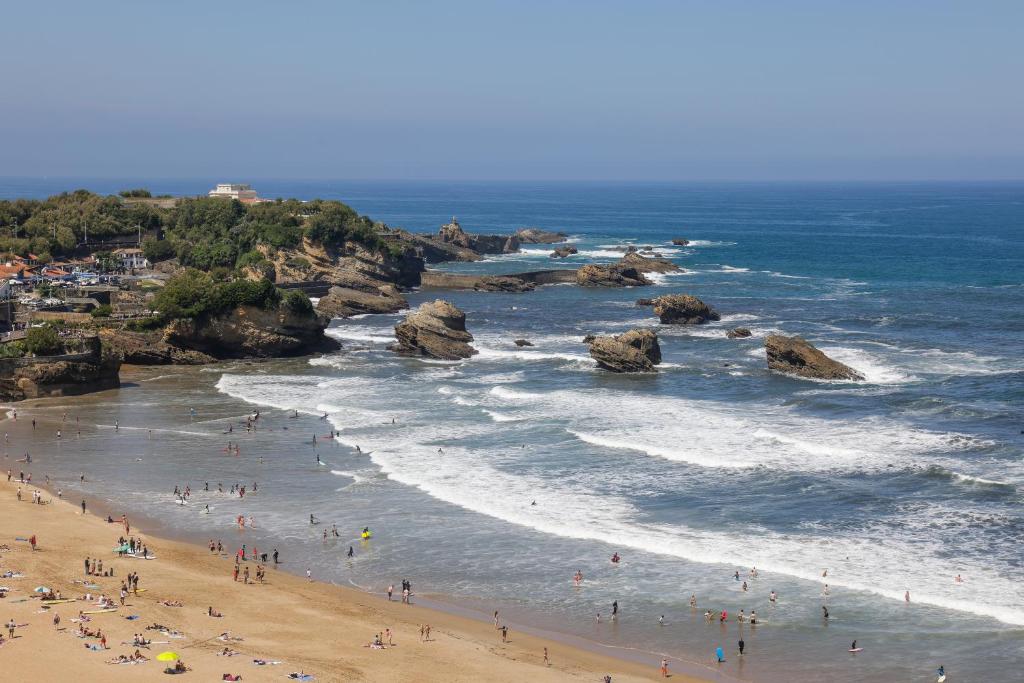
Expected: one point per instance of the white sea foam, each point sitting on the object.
(487, 481)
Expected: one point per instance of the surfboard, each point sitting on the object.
(57, 602)
(941, 679)
(856, 649)
(100, 611)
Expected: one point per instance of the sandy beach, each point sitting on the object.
(307, 626)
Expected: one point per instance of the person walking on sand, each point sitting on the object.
(741, 646)
(664, 667)
(83, 506)
(504, 633)
(547, 662)
(391, 589)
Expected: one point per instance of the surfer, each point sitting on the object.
(941, 672)
(853, 646)
(312, 519)
(615, 558)
(318, 459)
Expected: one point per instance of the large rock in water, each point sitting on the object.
(437, 330)
(614, 275)
(563, 252)
(538, 236)
(738, 333)
(795, 356)
(634, 351)
(683, 309)
(680, 241)
(649, 264)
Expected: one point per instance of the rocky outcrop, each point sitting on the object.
(645, 302)
(680, 242)
(649, 264)
(738, 333)
(344, 302)
(452, 233)
(538, 236)
(683, 309)
(433, 250)
(634, 351)
(564, 252)
(352, 266)
(149, 348)
(436, 329)
(252, 332)
(795, 356)
(88, 367)
(523, 342)
(614, 275)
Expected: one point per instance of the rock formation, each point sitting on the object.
(645, 302)
(523, 342)
(343, 302)
(563, 252)
(738, 333)
(634, 351)
(683, 309)
(538, 236)
(252, 332)
(89, 367)
(149, 348)
(480, 283)
(452, 233)
(795, 356)
(680, 242)
(437, 330)
(614, 275)
(649, 264)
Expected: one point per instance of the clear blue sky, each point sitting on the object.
(764, 89)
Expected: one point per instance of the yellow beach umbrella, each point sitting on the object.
(168, 656)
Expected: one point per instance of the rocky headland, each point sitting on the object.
(84, 366)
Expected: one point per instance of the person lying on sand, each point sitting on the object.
(228, 652)
(172, 603)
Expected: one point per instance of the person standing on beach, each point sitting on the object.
(664, 667)
(741, 645)
(391, 589)
(547, 662)
(83, 506)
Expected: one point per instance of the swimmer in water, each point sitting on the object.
(351, 551)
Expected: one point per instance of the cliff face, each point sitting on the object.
(91, 369)
(251, 332)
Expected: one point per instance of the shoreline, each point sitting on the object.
(465, 626)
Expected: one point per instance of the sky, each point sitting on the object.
(513, 90)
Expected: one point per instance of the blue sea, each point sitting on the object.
(491, 481)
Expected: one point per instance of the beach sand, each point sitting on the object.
(314, 627)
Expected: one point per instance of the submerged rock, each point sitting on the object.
(738, 333)
(645, 302)
(436, 329)
(683, 309)
(796, 356)
(523, 342)
(563, 252)
(633, 351)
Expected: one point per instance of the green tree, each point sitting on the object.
(43, 341)
(157, 250)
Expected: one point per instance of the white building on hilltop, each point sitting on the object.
(234, 191)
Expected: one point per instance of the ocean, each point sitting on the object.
(490, 482)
